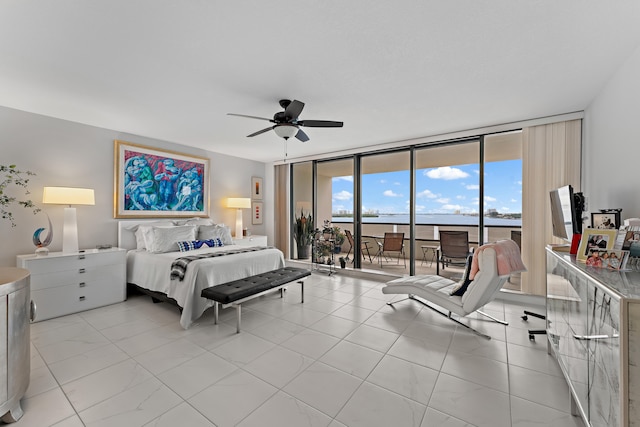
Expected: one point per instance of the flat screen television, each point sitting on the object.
(566, 213)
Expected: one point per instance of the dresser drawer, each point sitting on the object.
(48, 265)
(54, 302)
(110, 273)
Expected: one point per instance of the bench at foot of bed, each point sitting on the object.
(238, 291)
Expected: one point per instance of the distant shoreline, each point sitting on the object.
(434, 219)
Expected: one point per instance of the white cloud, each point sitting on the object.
(343, 195)
(343, 178)
(390, 193)
(460, 197)
(427, 193)
(472, 187)
(489, 199)
(446, 173)
(504, 209)
(420, 208)
(452, 207)
(383, 181)
(443, 200)
(514, 201)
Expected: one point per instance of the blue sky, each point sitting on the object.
(440, 190)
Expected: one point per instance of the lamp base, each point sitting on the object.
(70, 231)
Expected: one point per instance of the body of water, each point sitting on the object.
(433, 219)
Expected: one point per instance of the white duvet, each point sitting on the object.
(152, 271)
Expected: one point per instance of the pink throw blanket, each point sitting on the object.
(507, 255)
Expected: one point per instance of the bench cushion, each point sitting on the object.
(242, 288)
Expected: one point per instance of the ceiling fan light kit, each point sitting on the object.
(287, 124)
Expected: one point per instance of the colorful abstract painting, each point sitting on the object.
(156, 183)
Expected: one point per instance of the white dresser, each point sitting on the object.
(65, 283)
(254, 240)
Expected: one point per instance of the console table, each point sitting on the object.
(593, 330)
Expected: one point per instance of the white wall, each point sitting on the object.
(611, 150)
(68, 154)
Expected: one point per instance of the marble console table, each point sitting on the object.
(593, 329)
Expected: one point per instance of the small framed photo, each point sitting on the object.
(256, 188)
(610, 259)
(256, 213)
(605, 220)
(595, 238)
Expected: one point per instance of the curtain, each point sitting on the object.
(281, 229)
(551, 158)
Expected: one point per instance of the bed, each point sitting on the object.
(154, 268)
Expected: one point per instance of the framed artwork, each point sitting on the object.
(153, 183)
(606, 220)
(256, 213)
(595, 238)
(256, 188)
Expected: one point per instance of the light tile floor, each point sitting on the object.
(343, 358)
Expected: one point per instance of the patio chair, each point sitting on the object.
(364, 246)
(492, 265)
(454, 249)
(392, 242)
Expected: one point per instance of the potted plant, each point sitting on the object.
(339, 237)
(303, 232)
(10, 176)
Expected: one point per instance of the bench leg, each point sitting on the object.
(238, 316)
(301, 291)
(215, 313)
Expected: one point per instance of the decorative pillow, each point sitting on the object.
(194, 221)
(165, 239)
(197, 244)
(142, 230)
(464, 283)
(219, 231)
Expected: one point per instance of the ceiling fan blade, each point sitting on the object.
(250, 117)
(260, 131)
(320, 124)
(302, 136)
(293, 110)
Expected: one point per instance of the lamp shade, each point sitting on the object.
(285, 130)
(239, 202)
(68, 196)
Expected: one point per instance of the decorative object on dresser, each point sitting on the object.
(64, 283)
(150, 182)
(41, 245)
(593, 328)
(593, 238)
(238, 203)
(69, 196)
(15, 342)
(606, 218)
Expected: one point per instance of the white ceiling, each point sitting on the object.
(391, 70)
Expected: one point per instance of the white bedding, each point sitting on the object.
(152, 271)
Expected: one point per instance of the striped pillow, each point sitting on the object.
(197, 244)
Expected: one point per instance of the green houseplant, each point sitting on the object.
(303, 232)
(10, 177)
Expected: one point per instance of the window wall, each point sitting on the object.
(472, 184)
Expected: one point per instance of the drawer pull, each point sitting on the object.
(82, 270)
(32, 315)
(82, 284)
(80, 256)
(82, 298)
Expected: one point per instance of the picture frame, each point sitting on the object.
(257, 212)
(595, 238)
(256, 188)
(606, 220)
(613, 259)
(154, 183)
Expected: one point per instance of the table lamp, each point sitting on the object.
(69, 196)
(239, 203)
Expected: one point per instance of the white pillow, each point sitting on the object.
(142, 232)
(165, 239)
(220, 231)
(194, 221)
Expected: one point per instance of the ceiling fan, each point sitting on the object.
(287, 124)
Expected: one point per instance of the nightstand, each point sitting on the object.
(65, 283)
(253, 240)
